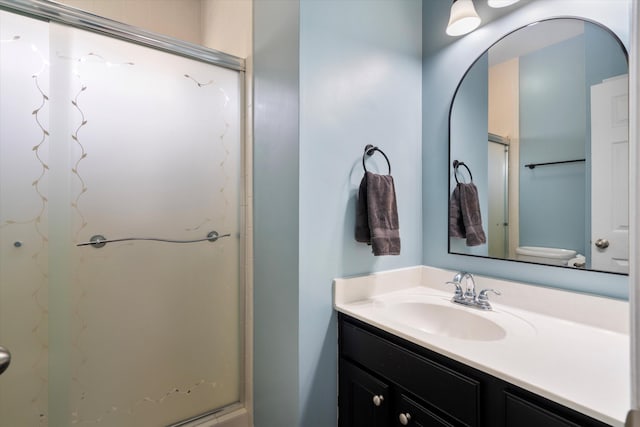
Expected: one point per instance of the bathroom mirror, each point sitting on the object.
(539, 125)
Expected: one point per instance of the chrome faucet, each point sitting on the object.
(469, 296)
(470, 292)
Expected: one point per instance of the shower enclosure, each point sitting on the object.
(121, 224)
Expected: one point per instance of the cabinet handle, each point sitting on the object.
(378, 399)
(404, 419)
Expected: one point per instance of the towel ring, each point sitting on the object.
(456, 164)
(369, 150)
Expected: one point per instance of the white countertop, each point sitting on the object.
(569, 347)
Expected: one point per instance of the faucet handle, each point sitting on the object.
(483, 294)
(483, 298)
(458, 292)
(458, 277)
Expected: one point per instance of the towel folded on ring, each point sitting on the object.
(465, 220)
(377, 214)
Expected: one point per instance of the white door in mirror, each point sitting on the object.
(610, 175)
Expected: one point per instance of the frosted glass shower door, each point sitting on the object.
(103, 137)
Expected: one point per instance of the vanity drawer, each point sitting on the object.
(520, 412)
(432, 382)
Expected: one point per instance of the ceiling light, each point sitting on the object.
(463, 19)
(501, 3)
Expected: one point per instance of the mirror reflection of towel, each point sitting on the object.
(465, 220)
(456, 224)
(377, 214)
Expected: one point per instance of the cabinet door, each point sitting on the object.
(434, 383)
(410, 413)
(363, 400)
(522, 413)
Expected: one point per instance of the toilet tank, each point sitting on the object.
(554, 256)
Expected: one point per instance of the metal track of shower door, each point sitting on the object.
(63, 14)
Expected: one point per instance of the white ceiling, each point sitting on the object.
(534, 37)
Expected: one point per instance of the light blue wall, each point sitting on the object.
(445, 62)
(604, 56)
(329, 77)
(471, 111)
(553, 119)
(359, 82)
(276, 218)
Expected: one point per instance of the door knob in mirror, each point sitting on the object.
(602, 243)
(5, 359)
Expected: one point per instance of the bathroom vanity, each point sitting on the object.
(541, 357)
(386, 381)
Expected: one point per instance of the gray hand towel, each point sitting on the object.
(377, 214)
(363, 233)
(470, 210)
(456, 223)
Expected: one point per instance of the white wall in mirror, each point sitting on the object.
(503, 103)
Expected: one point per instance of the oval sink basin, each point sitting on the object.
(450, 321)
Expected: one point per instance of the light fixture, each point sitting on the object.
(463, 19)
(501, 3)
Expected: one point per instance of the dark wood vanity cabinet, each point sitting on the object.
(385, 380)
(373, 403)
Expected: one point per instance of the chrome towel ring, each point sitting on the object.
(457, 164)
(369, 150)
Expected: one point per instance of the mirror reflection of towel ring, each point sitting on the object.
(369, 150)
(456, 164)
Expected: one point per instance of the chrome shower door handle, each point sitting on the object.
(5, 359)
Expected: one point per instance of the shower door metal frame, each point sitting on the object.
(55, 12)
(505, 143)
(67, 15)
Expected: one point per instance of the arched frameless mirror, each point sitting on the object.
(539, 124)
